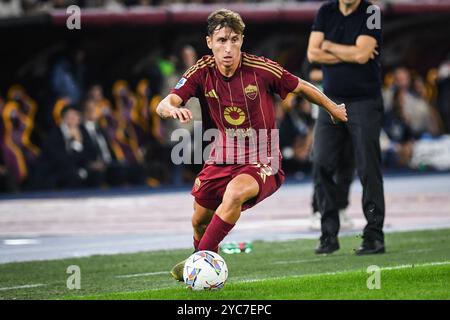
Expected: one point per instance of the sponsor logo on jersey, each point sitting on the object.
(240, 132)
(234, 115)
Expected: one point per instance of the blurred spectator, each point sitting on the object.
(296, 136)
(187, 58)
(119, 132)
(26, 104)
(96, 96)
(101, 157)
(400, 134)
(65, 161)
(443, 95)
(156, 155)
(415, 107)
(127, 106)
(67, 75)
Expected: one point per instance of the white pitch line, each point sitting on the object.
(296, 261)
(320, 259)
(23, 287)
(142, 274)
(403, 266)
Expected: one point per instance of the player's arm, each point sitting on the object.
(316, 54)
(363, 50)
(314, 95)
(170, 107)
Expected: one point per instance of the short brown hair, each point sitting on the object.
(225, 18)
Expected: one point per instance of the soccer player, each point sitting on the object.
(236, 92)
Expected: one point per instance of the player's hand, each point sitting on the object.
(338, 113)
(182, 114)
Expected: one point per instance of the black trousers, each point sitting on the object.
(345, 171)
(363, 130)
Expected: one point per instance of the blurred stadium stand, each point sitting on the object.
(127, 54)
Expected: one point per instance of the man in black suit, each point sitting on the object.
(64, 160)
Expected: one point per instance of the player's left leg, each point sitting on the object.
(210, 228)
(200, 220)
(239, 190)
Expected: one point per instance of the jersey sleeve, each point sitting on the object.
(187, 86)
(283, 83)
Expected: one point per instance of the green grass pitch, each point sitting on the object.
(416, 266)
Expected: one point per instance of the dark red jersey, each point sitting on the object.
(241, 107)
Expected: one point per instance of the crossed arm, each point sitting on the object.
(327, 52)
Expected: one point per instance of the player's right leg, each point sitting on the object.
(200, 220)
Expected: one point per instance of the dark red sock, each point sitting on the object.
(196, 243)
(214, 234)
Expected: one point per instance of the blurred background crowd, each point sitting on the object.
(80, 112)
(21, 7)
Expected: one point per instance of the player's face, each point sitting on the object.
(226, 46)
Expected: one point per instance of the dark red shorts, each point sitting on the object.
(210, 184)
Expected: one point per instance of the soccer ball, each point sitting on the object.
(205, 270)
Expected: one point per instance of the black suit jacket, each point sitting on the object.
(93, 153)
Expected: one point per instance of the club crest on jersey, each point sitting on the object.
(180, 83)
(234, 115)
(251, 91)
